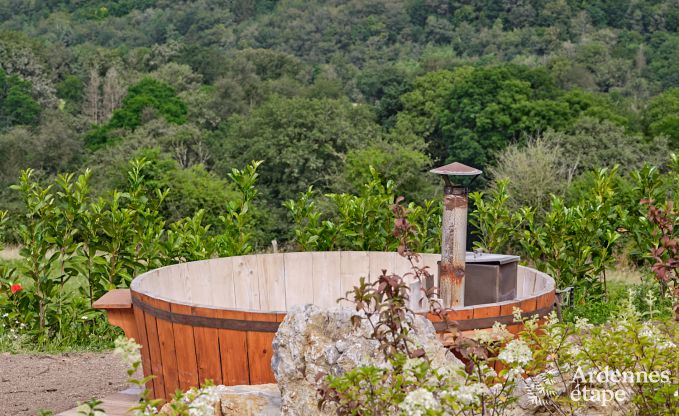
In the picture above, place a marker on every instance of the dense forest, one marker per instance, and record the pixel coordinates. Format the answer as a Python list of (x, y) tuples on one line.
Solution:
[(541, 92)]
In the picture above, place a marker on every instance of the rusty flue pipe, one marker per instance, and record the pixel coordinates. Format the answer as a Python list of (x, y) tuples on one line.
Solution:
[(454, 234)]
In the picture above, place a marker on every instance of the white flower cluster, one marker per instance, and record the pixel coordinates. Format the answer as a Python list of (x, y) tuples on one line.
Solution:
[(487, 372), (516, 351), (583, 325), (497, 333), (150, 410), (470, 393), (660, 340), (418, 402), (128, 350), (448, 373), (204, 404), (410, 367)]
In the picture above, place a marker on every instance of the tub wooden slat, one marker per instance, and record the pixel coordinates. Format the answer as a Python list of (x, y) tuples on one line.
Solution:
[(196, 278), (245, 282), (143, 341), (168, 354), (221, 282), (378, 262), (207, 349), (271, 278), (325, 270), (260, 350), (154, 351), (299, 287), (234, 351), (402, 266), (353, 266), (187, 367)]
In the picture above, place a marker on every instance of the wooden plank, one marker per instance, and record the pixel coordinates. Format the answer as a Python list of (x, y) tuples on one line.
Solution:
[(140, 320), (245, 282), (124, 318), (487, 312), (175, 286), (380, 261), (187, 366), (114, 299), (183, 284), (508, 308), (260, 350), (326, 284), (528, 305), (299, 287), (154, 352), (151, 281), (402, 267), (221, 282), (234, 352), (168, 354), (196, 279), (208, 356), (460, 314), (271, 278), (353, 266)]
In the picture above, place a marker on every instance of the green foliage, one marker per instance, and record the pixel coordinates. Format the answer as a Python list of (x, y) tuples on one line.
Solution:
[(403, 165), (301, 141), (591, 144), (360, 222), (532, 172), (573, 243), (146, 95), (662, 116), (74, 248), (576, 242), (17, 106), (491, 220), (491, 107), (470, 114), (238, 221), (70, 89)]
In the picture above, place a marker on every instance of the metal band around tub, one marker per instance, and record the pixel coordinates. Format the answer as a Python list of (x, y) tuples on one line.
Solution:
[(268, 326), (206, 321)]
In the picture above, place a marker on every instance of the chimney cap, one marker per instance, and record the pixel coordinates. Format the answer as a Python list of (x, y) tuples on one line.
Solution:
[(456, 169)]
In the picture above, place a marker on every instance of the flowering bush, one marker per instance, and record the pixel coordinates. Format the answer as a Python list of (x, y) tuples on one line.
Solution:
[(628, 365)]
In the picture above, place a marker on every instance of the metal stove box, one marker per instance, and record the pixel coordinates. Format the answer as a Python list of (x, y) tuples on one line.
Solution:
[(489, 278)]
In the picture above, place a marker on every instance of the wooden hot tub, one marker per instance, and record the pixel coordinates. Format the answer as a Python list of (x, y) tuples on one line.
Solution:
[(216, 319)]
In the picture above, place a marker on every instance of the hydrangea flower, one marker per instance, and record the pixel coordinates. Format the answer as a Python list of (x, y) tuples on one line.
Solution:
[(470, 393), (516, 351), (418, 402)]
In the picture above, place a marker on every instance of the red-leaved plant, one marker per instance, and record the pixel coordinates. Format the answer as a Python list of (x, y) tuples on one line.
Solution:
[(665, 252)]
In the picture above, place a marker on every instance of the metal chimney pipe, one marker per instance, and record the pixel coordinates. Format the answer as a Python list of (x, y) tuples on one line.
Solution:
[(453, 234)]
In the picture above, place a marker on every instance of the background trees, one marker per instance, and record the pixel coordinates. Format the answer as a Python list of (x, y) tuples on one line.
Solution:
[(322, 91)]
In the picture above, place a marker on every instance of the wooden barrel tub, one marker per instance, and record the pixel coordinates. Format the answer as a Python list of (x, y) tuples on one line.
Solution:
[(216, 319)]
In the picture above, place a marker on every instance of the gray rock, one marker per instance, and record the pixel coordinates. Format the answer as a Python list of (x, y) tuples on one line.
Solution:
[(258, 400), (312, 340)]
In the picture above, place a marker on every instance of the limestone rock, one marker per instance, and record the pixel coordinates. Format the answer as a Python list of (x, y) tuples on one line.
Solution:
[(257, 400), (312, 340)]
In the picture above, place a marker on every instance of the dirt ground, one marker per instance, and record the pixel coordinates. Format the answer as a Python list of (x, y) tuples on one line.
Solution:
[(30, 382)]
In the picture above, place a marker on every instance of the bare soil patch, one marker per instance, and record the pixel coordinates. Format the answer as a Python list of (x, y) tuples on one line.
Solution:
[(30, 382)]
